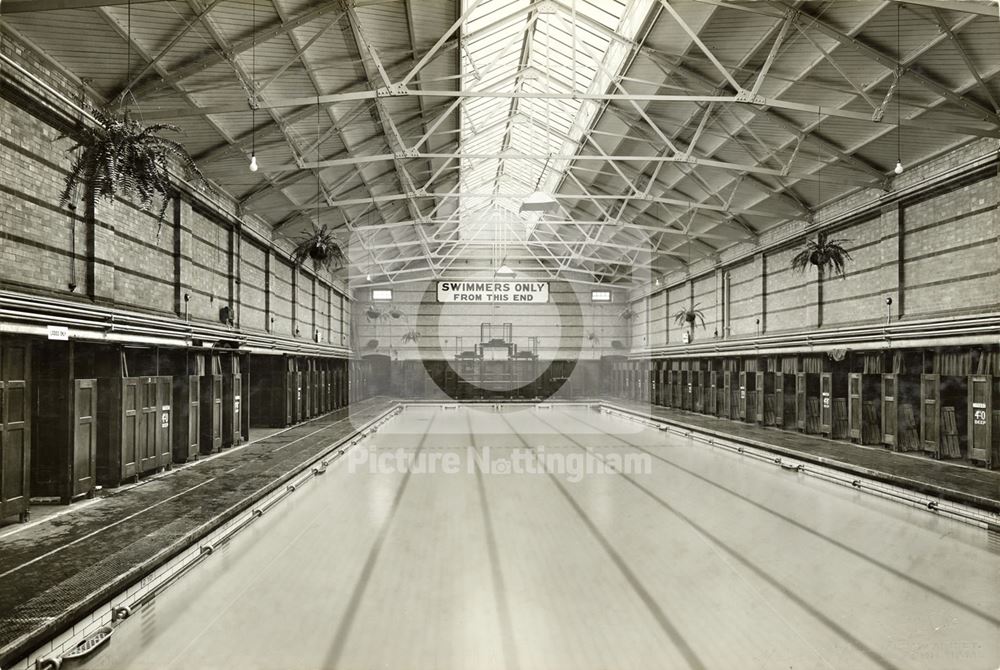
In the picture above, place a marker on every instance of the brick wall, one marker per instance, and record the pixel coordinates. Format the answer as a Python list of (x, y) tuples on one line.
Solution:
[(253, 291), (281, 297), (936, 253), (704, 299), (858, 297), (123, 256), (790, 294), (304, 320), (744, 297), (658, 319), (144, 267), (639, 323), (210, 249), (950, 251), (36, 237), (678, 298)]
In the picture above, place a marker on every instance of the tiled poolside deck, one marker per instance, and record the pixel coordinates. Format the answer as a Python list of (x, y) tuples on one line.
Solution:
[(54, 571)]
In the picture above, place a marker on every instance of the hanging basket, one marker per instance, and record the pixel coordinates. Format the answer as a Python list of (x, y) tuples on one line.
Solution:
[(319, 251), (321, 247), (690, 316), (828, 255), (121, 157)]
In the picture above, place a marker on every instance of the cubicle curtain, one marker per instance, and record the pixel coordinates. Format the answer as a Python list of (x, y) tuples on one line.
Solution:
[(790, 364), (907, 362), (812, 364), (987, 362), (871, 362), (956, 363)]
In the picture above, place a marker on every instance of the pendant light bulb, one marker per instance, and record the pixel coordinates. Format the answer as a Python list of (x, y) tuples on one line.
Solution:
[(253, 163), (368, 277), (899, 167)]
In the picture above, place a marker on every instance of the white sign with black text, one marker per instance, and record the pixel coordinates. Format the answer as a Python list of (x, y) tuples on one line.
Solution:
[(58, 332), (514, 292)]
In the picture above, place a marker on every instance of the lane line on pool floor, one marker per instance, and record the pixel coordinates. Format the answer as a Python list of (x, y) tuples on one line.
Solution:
[(716, 552), (308, 527), (811, 531), (668, 627), (336, 649), (509, 646), (763, 574)]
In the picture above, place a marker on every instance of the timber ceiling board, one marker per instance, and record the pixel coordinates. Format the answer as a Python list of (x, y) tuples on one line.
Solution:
[(569, 96)]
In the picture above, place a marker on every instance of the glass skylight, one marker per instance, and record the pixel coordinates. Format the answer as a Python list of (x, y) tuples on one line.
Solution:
[(521, 47)]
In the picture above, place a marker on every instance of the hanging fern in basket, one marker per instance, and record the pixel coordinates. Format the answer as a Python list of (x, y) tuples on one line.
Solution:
[(826, 254), (689, 316), (411, 336), (320, 246), (121, 157)]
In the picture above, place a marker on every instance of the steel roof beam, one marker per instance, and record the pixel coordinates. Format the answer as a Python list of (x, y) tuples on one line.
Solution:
[(942, 25), (381, 116), (154, 113), (32, 6), (891, 64), (215, 57)]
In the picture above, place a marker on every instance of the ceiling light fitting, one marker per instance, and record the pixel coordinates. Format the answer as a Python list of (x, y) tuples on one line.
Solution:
[(539, 201)]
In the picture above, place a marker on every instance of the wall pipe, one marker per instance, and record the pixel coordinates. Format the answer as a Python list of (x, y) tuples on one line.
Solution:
[(30, 315)]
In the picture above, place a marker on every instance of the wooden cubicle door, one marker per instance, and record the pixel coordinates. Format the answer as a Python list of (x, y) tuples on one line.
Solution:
[(232, 407), (194, 416), (164, 420), (727, 395), (761, 386), (826, 403), (148, 424), (711, 406), (15, 429), (890, 409), (779, 398), (84, 458), (854, 405), (930, 413), (743, 396), (980, 415), (210, 440)]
